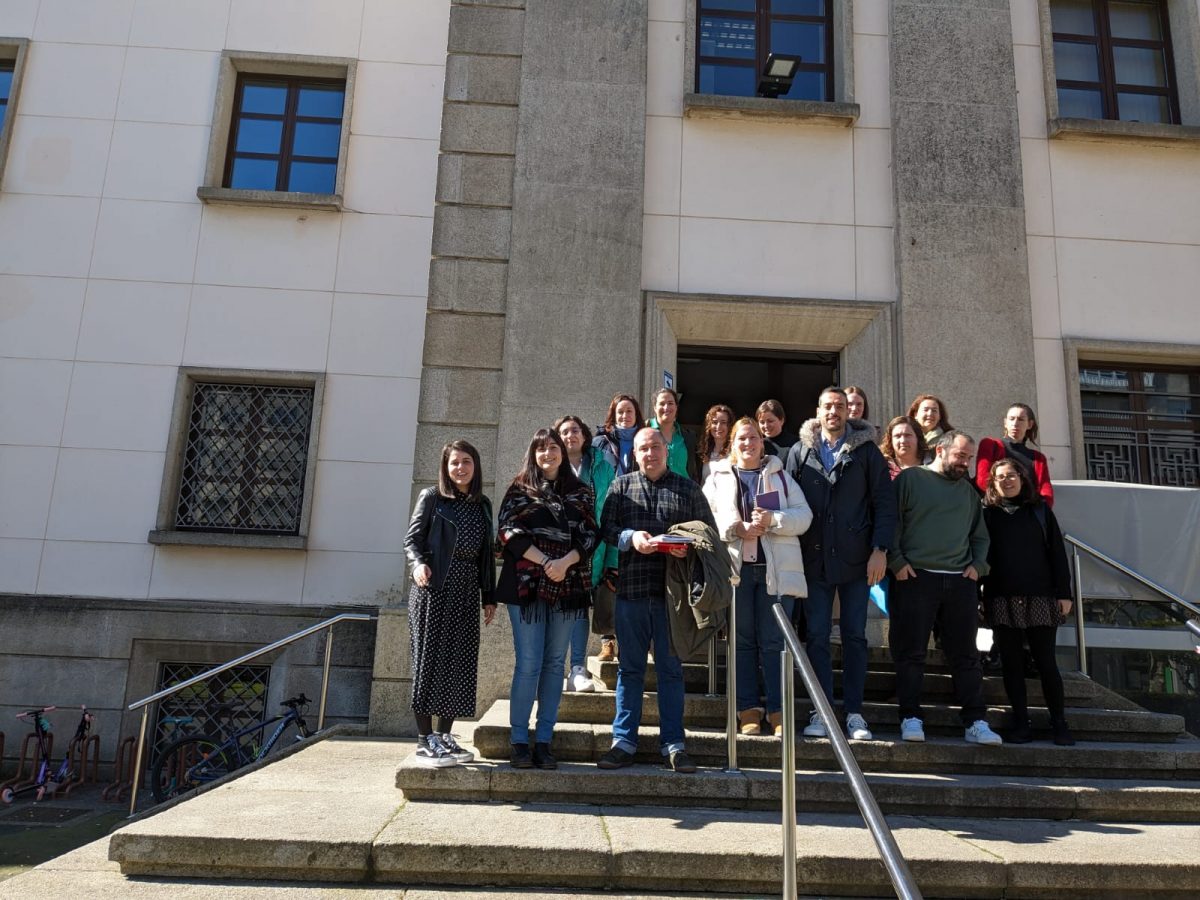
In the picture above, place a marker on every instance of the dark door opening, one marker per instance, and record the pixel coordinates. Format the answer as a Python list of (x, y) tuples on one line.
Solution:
[(743, 377)]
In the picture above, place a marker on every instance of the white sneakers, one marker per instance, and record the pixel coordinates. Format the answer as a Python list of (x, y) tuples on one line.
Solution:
[(580, 681), (815, 727), (912, 730), (856, 728), (980, 733)]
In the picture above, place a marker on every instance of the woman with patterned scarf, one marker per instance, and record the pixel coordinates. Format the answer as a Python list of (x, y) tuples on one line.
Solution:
[(547, 533)]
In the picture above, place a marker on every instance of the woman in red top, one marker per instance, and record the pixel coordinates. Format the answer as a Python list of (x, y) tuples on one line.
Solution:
[(1020, 430)]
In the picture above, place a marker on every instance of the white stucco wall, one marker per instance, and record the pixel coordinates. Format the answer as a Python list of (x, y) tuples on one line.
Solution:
[(780, 209), (1113, 236), (113, 274)]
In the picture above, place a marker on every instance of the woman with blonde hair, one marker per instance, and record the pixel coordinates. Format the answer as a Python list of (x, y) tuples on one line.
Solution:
[(759, 511)]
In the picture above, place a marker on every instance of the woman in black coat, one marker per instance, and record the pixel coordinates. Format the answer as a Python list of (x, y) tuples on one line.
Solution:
[(1027, 594), (449, 549)]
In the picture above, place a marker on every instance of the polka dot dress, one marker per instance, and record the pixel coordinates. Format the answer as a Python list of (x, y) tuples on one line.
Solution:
[(444, 625)]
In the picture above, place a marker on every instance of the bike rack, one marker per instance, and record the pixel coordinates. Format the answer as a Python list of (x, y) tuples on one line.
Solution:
[(146, 702), (79, 752), (30, 742), (122, 781)]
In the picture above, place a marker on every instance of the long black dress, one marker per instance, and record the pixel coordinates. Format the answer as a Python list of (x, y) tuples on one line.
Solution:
[(444, 624)]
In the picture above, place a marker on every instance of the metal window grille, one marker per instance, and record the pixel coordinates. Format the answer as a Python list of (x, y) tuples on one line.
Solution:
[(244, 461), (244, 688), (1142, 426)]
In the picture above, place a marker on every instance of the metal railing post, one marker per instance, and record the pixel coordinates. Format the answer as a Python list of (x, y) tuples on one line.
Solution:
[(1080, 639), (889, 852), (137, 761), (712, 667), (325, 679), (787, 681), (731, 721)]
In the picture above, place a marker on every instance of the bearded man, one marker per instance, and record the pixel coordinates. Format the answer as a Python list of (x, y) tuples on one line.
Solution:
[(939, 554)]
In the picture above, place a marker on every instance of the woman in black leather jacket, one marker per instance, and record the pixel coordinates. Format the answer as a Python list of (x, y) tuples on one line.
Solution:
[(449, 548)]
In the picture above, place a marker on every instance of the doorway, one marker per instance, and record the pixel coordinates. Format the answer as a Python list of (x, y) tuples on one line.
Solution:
[(743, 377)]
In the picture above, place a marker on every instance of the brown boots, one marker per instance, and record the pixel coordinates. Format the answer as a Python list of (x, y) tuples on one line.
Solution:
[(608, 650), (750, 721)]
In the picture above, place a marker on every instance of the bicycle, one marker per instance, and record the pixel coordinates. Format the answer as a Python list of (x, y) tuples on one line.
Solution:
[(198, 759), (45, 782)]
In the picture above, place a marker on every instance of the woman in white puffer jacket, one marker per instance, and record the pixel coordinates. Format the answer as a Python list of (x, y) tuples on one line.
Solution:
[(768, 565)]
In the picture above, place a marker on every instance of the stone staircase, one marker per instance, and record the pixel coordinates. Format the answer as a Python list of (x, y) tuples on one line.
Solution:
[(1118, 815)]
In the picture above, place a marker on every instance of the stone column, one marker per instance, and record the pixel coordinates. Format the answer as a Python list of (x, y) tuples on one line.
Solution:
[(573, 317), (965, 323)]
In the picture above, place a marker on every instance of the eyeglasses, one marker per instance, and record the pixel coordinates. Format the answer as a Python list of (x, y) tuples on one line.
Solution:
[(1011, 476)]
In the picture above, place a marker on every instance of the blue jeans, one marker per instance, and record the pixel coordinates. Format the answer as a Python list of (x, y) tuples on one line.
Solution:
[(540, 647), (818, 608), (759, 640), (638, 623), (579, 641)]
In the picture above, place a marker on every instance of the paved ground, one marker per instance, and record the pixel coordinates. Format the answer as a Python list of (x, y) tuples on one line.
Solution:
[(33, 833)]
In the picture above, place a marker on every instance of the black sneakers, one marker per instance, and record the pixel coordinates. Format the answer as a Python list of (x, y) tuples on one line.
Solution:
[(460, 754), (615, 758), (433, 753), (680, 762)]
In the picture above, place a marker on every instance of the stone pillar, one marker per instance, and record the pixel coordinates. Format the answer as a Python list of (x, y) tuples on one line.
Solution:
[(573, 317), (965, 322)]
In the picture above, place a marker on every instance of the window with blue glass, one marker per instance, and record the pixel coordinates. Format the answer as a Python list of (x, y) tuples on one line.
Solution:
[(285, 134), (7, 68), (1112, 60), (734, 38)]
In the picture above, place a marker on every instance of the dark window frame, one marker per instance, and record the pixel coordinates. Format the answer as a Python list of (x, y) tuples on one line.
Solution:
[(1138, 423), (762, 18), (10, 66), (290, 118), (1108, 87)]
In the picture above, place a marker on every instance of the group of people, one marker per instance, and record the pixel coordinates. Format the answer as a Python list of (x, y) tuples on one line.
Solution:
[(810, 518)]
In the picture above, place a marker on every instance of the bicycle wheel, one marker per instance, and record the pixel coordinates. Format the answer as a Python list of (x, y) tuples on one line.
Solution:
[(186, 764)]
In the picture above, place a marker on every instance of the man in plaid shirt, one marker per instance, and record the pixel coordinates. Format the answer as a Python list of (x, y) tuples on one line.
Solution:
[(640, 506)]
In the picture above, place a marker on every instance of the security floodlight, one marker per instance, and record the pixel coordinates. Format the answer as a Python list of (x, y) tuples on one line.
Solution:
[(777, 75)]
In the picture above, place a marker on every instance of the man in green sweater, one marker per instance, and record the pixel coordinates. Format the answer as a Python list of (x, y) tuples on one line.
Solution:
[(940, 552)]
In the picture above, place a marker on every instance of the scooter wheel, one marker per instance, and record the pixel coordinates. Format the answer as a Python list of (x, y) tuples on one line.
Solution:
[(6, 796)]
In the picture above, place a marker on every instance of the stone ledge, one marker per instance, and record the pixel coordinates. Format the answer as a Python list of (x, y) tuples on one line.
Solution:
[(287, 199), (1125, 132), (214, 539), (813, 112)]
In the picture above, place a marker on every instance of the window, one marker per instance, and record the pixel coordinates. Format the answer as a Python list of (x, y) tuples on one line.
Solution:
[(243, 689), (241, 459), (1141, 425), (734, 38), (281, 131), (8, 69), (285, 134), (1113, 60), (12, 62)]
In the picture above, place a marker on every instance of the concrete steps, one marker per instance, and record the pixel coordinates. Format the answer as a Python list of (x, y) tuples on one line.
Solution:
[(588, 741), (1087, 723), (988, 796), (332, 813)]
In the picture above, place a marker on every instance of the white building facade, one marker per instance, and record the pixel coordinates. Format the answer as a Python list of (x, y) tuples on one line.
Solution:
[(238, 321)]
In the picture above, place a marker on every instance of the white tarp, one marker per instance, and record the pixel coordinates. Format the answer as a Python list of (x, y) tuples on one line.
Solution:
[(1152, 530)]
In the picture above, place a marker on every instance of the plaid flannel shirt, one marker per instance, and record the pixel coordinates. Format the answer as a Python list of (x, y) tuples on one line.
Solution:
[(635, 503)]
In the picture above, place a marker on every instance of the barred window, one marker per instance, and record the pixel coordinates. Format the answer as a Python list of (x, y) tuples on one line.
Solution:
[(222, 703), (241, 460), (243, 467)]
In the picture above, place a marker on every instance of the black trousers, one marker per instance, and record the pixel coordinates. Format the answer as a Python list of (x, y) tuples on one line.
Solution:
[(1011, 644), (914, 605)]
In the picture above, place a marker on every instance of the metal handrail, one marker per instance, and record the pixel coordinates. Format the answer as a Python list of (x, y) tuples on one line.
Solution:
[(1080, 639), (145, 703), (893, 860)]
